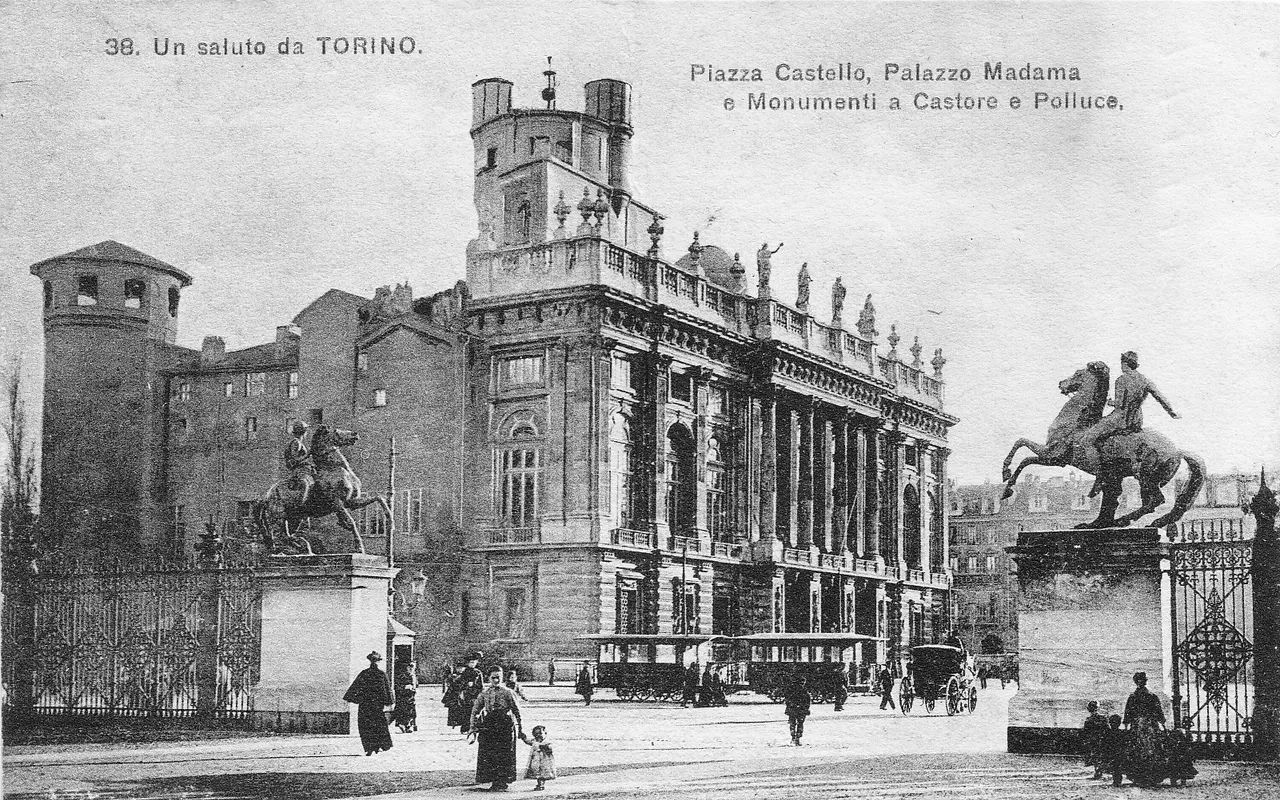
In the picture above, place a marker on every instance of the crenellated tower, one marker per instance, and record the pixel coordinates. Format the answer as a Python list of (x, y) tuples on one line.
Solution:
[(110, 319)]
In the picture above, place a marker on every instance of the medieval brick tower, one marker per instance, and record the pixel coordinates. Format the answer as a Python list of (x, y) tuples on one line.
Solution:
[(110, 319)]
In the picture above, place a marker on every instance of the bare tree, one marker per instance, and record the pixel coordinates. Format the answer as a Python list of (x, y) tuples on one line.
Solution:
[(18, 507)]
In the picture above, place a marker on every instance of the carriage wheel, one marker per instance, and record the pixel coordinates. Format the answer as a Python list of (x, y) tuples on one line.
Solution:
[(906, 695), (626, 693), (973, 699), (930, 700), (953, 696)]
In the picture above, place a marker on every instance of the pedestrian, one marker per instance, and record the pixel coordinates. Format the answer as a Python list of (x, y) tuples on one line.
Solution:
[(1115, 743), (1000, 672), (1181, 765), (690, 689), (1095, 728), (551, 672), (513, 684), (447, 671), (495, 722), (982, 676), (458, 713), (886, 689), (470, 683), (797, 702), (842, 686), (371, 694), (1147, 760), (583, 685), (718, 696), (405, 715), (542, 758)]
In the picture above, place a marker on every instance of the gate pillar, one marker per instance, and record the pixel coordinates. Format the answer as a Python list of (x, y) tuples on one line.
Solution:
[(1266, 628), (321, 615), (1089, 617)]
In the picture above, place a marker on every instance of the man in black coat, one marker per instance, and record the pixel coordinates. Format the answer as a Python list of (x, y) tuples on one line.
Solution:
[(371, 693), (797, 706), (886, 689)]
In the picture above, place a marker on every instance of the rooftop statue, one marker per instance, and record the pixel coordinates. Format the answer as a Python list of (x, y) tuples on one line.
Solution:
[(764, 265), (838, 293), (1114, 447), (320, 483), (802, 288), (867, 320)]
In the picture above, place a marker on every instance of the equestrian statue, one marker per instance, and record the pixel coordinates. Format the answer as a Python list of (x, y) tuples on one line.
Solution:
[(1113, 447), (320, 483)]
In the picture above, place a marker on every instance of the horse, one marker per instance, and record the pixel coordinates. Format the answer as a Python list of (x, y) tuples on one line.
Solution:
[(1145, 455), (336, 491)]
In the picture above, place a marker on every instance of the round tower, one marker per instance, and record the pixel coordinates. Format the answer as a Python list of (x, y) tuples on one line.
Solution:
[(110, 316), (609, 100)]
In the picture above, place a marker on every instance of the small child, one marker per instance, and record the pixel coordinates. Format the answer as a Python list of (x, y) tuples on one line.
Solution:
[(542, 759), (1095, 727), (1180, 765), (1112, 751)]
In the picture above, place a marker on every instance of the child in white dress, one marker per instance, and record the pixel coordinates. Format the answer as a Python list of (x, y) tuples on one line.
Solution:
[(542, 759)]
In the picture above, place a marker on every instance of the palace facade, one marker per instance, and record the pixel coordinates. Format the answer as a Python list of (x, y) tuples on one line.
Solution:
[(588, 437)]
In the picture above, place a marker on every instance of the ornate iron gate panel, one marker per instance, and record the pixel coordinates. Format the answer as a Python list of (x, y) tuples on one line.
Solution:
[(1212, 623), (159, 640)]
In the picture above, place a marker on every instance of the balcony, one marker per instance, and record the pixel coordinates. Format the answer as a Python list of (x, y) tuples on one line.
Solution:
[(797, 555), (728, 548), (629, 537), (678, 544), (505, 535)]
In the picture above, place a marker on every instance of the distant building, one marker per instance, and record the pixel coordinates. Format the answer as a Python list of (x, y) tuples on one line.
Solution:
[(589, 437), (983, 524)]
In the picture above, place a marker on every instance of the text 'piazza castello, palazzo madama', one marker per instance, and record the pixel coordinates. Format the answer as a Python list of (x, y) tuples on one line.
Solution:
[(589, 437)]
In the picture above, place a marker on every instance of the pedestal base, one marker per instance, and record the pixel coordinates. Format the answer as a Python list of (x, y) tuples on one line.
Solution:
[(1089, 617), (321, 617)]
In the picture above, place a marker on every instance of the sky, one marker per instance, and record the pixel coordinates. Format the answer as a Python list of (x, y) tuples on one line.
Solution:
[(1024, 243)]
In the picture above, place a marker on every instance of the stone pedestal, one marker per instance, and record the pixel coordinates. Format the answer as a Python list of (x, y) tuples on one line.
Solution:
[(1089, 617), (321, 617)]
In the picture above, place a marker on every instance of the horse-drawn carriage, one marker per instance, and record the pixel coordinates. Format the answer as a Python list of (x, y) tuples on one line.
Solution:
[(939, 673), (642, 666), (828, 661)]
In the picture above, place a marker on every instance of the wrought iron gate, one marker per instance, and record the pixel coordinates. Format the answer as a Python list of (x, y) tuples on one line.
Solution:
[(160, 640), (1211, 612)]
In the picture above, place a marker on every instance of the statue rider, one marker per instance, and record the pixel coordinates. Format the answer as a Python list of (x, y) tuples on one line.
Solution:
[(1131, 388), (297, 459)]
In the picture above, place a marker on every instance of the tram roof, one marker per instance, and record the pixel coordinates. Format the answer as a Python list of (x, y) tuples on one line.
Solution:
[(647, 638), (808, 638), (937, 648)]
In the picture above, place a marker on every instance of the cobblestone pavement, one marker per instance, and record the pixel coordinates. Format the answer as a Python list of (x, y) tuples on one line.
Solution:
[(614, 749)]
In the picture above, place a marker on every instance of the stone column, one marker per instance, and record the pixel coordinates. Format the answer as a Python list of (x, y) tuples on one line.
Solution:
[(321, 615), (826, 493), (869, 491), (701, 437), (1089, 617), (804, 483), (1266, 626), (767, 516), (838, 510), (926, 507)]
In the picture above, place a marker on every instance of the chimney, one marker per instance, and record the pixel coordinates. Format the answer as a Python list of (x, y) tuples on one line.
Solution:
[(212, 349), (286, 339)]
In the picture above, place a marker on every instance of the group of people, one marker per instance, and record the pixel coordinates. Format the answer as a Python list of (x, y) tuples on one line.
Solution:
[(1138, 744), (703, 688)]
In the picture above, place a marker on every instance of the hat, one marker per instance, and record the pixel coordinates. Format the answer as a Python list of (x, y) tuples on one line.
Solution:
[(1129, 355), (476, 656), (374, 656), (1139, 677)]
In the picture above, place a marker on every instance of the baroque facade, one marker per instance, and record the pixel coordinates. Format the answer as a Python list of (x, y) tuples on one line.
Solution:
[(588, 437)]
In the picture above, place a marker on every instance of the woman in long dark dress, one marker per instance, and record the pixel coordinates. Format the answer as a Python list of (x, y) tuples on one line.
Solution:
[(371, 692), (495, 718), (1147, 761), (405, 715), (470, 682)]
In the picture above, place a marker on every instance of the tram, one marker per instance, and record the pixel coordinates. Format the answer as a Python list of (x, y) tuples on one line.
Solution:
[(829, 661), (640, 666)]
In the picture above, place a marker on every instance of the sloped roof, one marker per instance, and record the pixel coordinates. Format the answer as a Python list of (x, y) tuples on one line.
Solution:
[(352, 299), (111, 250)]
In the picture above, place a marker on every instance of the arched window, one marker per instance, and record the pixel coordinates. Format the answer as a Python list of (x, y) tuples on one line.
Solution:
[(911, 526), (681, 481), (717, 510), (524, 219), (518, 460), (620, 453)]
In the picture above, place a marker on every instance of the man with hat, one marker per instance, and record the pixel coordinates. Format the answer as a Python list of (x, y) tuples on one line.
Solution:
[(469, 683), (371, 693), (1131, 388)]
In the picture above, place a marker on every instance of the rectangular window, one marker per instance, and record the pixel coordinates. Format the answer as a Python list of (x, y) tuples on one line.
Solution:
[(993, 537), (628, 608), (291, 391), (717, 401), (228, 389), (685, 609), (362, 361), (250, 429), (515, 614), (523, 371), (87, 290), (379, 398), (1039, 503), (518, 488), (971, 565), (184, 391), (491, 158), (716, 520), (681, 387), (620, 377), (255, 384), (135, 292), (955, 564), (991, 564)]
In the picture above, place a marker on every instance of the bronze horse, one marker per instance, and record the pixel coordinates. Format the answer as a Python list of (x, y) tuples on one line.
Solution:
[(1146, 455), (336, 491)]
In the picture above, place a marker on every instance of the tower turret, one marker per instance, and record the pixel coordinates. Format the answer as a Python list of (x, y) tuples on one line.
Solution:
[(610, 101), (110, 318)]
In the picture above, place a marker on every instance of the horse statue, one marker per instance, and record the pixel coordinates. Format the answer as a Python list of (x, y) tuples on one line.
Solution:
[(1145, 455), (280, 514)]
